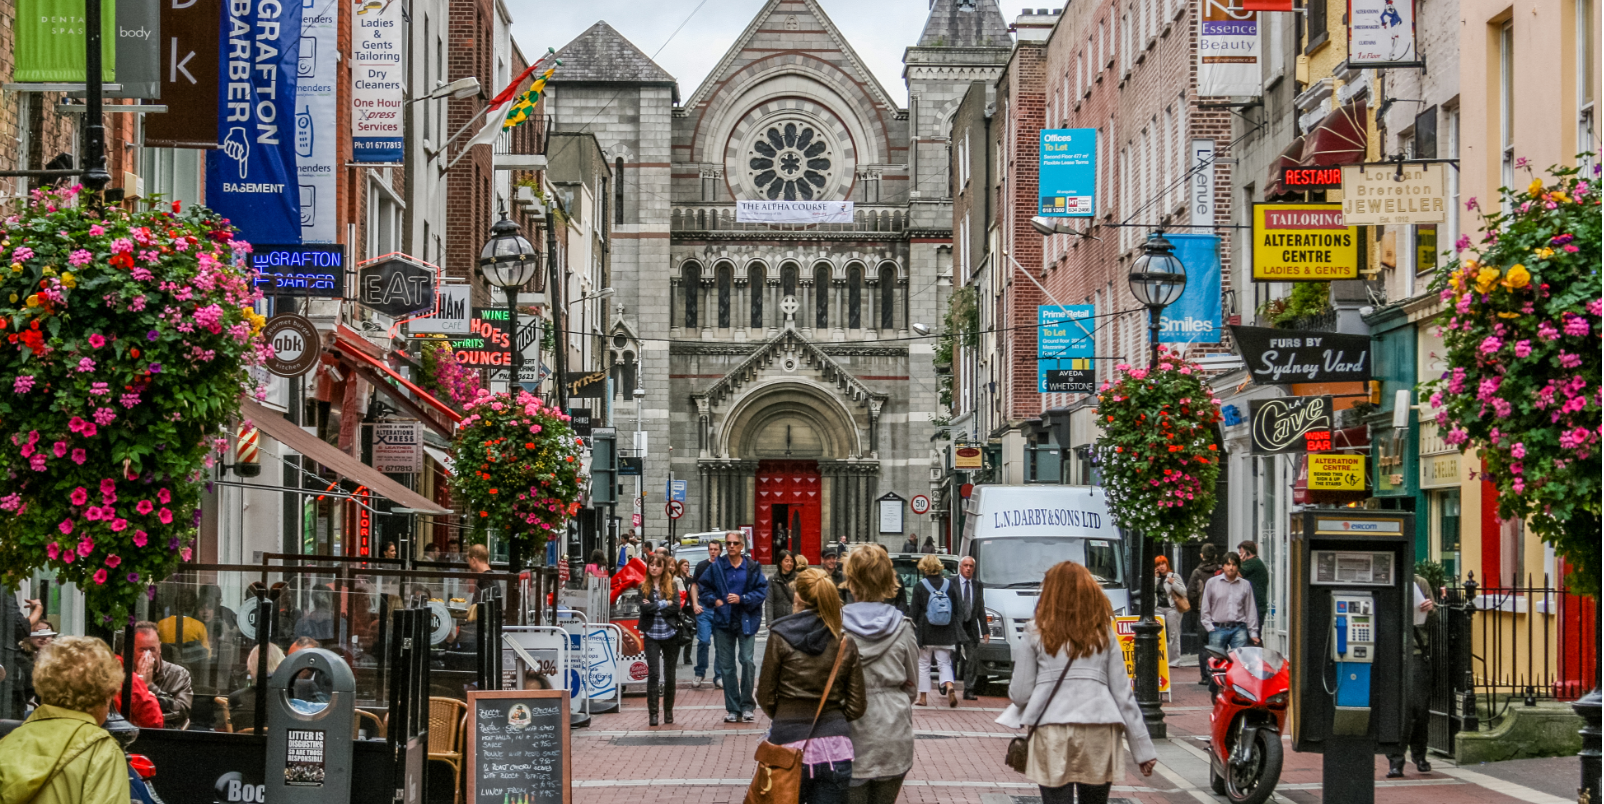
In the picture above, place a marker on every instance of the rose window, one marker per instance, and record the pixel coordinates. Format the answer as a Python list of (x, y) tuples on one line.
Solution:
[(790, 162)]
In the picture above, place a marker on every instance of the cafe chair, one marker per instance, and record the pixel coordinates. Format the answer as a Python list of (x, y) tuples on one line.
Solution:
[(226, 723), (376, 732), (446, 717)]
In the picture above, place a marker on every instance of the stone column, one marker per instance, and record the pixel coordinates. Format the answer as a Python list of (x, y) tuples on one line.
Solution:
[(838, 321), (709, 306)]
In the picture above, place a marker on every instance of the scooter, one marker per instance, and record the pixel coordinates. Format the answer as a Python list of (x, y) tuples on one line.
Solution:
[(140, 769), (1250, 711)]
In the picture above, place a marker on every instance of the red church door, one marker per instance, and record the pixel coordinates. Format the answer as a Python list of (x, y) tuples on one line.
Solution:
[(789, 496)]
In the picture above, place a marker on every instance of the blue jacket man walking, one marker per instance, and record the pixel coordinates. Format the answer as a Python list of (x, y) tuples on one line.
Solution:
[(734, 589)]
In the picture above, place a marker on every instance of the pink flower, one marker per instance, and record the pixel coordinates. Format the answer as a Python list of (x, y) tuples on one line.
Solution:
[(1523, 348), (97, 340), (164, 496), (86, 546), (107, 485), (1547, 332), (1576, 326), (69, 556), (79, 456), (22, 384), (80, 257), (79, 496), (100, 577), (1518, 451), (86, 365), (1569, 360), (144, 507), (184, 553), (105, 416), (65, 527), (165, 516), (122, 245), (112, 561), (22, 254), (53, 550), (119, 525), (140, 538), (92, 513), (59, 449), (1490, 345), (96, 230)]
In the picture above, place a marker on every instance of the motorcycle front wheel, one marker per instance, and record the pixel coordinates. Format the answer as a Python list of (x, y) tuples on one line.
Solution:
[(1254, 780)]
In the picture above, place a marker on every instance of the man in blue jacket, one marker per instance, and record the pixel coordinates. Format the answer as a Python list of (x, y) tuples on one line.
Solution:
[(734, 588)]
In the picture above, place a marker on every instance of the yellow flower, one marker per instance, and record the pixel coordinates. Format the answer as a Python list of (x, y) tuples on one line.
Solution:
[(33, 300), (1509, 315), (1543, 253), (13, 298), (16, 267), (1486, 279), (1536, 188), (1559, 198), (1517, 278), (69, 281), (50, 271)]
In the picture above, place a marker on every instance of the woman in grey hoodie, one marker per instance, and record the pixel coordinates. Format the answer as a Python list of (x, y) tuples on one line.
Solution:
[(883, 738)]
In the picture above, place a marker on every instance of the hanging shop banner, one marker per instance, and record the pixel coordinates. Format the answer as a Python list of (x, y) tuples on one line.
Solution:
[(297, 270), (1196, 316), (316, 119), (1384, 195), (378, 81), (1303, 242), (1283, 356), (398, 447), (1200, 199), (1065, 349), (1290, 424), (1068, 174), (50, 41), (396, 285), (251, 180), (590, 385), (1336, 473), (795, 212), (1381, 33), (968, 457), (450, 316), (139, 39), (188, 71), (1269, 5), (1228, 52)]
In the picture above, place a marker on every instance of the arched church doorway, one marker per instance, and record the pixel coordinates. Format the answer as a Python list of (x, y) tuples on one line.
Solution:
[(790, 500)]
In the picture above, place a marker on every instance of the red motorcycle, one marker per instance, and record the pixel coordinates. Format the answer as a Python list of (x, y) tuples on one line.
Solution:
[(1245, 727)]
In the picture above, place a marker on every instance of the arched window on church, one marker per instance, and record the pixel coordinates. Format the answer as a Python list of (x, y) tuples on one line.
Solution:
[(623, 372), (724, 296), (821, 296), (691, 285), (754, 281), (888, 298), (854, 297), (788, 281)]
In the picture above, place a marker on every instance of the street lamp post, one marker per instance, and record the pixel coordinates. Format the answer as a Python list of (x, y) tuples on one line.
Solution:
[(1157, 279), (640, 505), (508, 262)]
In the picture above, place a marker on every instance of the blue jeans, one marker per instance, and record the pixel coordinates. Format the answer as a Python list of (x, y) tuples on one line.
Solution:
[(704, 640), (1226, 638), (738, 697), (826, 782)]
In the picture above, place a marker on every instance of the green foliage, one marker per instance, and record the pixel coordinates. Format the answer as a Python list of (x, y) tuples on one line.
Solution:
[(517, 469), (128, 341), (960, 325), (1306, 299), (1157, 451), (1436, 576), (1523, 360)]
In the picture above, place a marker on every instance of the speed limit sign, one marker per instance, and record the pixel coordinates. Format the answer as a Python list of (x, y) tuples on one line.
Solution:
[(920, 504), (675, 509)]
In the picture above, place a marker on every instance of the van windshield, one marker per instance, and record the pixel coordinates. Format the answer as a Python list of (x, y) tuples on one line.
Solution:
[(1021, 562)]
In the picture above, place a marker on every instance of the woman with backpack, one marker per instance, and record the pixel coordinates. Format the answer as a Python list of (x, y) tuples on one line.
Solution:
[(935, 622), (659, 624), (1070, 688)]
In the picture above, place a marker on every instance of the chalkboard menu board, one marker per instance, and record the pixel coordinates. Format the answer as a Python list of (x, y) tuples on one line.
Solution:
[(518, 747)]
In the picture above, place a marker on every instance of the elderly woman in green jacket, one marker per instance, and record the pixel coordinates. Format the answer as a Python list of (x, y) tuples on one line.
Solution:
[(60, 754)]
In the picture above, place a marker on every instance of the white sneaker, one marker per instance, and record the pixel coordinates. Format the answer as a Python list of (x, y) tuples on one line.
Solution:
[(697, 684)]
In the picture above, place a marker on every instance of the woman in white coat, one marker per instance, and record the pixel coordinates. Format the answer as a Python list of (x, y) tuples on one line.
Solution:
[(1069, 683), (1167, 588)]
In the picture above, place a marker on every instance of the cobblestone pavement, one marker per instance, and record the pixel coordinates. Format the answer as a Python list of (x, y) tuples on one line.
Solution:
[(958, 758)]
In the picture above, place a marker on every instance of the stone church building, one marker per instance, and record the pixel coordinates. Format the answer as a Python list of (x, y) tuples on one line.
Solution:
[(783, 377)]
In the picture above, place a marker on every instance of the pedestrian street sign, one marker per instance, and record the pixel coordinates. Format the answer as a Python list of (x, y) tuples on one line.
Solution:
[(676, 490), (1125, 628)]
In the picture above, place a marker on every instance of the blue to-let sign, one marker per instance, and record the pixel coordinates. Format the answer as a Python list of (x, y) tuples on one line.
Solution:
[(1064, 331), (1067, 177), (1196, 316), (297, 270), (676, 490)]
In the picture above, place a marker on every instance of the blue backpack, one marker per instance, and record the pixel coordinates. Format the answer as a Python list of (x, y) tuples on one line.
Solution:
[(938, 609)]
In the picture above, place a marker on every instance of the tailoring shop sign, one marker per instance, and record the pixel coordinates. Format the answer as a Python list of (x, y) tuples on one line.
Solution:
[(398, 447), (1303, 243), (1290, 424), (1381, 34), (313, 271), (1384, 195), (1284, 356), (378, 81), (396, 285)]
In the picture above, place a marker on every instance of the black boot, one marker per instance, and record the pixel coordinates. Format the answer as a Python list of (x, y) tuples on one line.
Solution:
[(1422, 765), (1395, 767), (668, 716), (651, 720)]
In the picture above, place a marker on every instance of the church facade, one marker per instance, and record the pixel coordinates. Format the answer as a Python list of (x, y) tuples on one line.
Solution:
[(783, 376)]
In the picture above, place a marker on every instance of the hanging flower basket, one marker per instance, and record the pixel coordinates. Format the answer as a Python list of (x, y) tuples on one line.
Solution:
[(517, 469), (1523, 361), (1157, 452), (127, 338)]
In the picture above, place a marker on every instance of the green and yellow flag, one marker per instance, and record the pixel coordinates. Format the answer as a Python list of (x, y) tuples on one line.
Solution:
[(525, 105)]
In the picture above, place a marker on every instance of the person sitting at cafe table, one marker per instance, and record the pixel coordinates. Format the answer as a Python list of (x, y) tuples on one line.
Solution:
[(479, 561), (242, 702)]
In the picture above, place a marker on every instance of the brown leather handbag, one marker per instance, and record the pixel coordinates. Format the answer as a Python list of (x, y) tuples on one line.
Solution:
[(1018, 756), (778, 779)]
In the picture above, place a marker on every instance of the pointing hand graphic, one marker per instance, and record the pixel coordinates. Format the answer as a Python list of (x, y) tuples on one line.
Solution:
[(237, 148)]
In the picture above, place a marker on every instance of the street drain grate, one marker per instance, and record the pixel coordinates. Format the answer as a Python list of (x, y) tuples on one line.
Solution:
[(664, 739)]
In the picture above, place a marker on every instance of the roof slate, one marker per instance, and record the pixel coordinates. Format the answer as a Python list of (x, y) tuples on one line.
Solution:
[(602, 54), (965, 23)]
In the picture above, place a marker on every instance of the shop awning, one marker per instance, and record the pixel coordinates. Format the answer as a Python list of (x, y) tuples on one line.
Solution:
[(441, 458), (324, 453), (351, 345), (1288, 158), (1339, 139)]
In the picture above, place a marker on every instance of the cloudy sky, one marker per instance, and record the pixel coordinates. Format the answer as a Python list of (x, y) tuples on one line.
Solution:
[(878, 30)]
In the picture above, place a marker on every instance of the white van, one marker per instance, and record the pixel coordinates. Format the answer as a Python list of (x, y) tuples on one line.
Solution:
[(1015, 533)]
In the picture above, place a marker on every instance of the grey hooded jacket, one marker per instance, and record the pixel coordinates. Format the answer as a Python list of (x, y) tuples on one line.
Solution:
[(882, 740)]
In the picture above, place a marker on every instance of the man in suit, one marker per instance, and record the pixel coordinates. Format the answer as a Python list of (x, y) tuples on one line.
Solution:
[(972, 593)]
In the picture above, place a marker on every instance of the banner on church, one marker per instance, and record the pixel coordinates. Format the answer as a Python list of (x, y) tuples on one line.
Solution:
[(793, 212)]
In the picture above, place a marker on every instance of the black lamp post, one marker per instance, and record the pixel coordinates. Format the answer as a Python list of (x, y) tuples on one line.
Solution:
[(508, 262), (1157, 279)]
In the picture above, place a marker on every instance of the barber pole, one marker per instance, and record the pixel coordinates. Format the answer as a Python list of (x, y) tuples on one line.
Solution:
[(247, 455)]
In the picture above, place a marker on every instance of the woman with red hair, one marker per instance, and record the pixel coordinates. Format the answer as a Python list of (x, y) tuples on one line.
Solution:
[(1071, 688), (1167, 587)]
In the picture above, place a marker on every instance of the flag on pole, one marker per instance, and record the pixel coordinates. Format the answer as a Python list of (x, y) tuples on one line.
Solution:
[(525, 105), (502, 108)]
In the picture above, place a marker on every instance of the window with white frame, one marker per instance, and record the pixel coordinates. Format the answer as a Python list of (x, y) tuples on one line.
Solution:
[(1506, 104), (1080, 73), (384, 220), (1091, 59), (1103, 53), (1453, 181), (1586, 82), (1167, 136), (1275, 57), (1125, 40)]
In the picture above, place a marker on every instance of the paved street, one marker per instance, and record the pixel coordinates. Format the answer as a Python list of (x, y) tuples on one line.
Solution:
[(958, 758)]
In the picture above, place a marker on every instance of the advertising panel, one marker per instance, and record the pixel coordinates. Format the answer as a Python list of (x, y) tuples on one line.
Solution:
[(1290, 424), (1196, 316), (316, 120), (1068, 174), (139, 38), (251, 179), (1065, 349), (1200, 197), (1336, 473), (794, 212), (296, 270), (1383, 195), (398, 447), (189, 77), (1303, 242), (1228, 51), (378, 81), (1282, 356), (1381, 33), (50, 42), (450, 316), (397, 285)]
